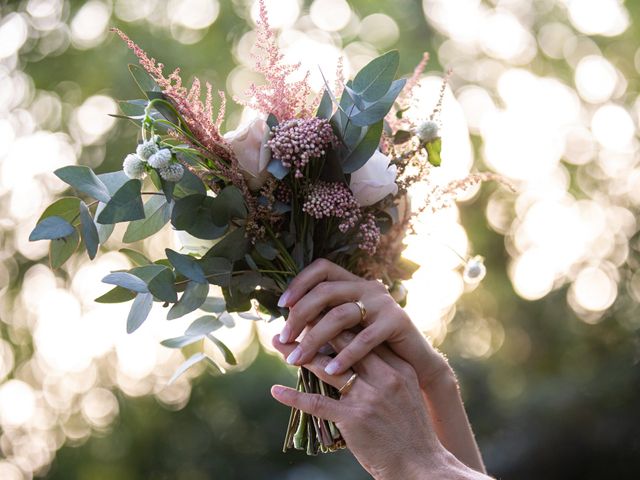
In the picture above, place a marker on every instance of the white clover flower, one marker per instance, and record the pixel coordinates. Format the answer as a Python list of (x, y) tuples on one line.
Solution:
[(146, 149), (160, 159), (474, 270), (133, 166), (172, 172), (428, 131)]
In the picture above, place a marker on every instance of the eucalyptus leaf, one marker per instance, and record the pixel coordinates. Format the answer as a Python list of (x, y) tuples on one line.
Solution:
[(213, 305), (65, 207), (89, 231), (325, 109), (159, 279), (116, 295), (60, 250), (227, 319), (113, 180), (104, 231), (84, 180), (203, 325), (189, 184), (217, 270), (228, 355), (378, 110), (266, 250), (194, 215), (186, 265), (374, 79), (228, 204), (137, 258), (157, 213), (125, 205), (126, 280), (190, 362), (144, 81), (182, 341), (133, 109), (51, 228), (139, 311), (193, 297), (233, 246), (364, 149)]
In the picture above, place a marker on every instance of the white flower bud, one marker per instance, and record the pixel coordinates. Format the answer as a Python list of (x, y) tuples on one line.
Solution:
[(172, 172), (399, 293), (133, 166), (146, 149), (428, 131), (160, 159), (474, 270)]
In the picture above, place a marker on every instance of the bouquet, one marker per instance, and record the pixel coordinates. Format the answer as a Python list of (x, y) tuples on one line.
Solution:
[(311, 177)]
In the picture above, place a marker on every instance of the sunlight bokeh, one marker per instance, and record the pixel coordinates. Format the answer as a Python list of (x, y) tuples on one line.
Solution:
[(568, 143)]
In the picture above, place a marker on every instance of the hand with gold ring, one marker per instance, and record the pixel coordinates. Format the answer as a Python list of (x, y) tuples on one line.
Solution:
[(381, 415), (325, 299)]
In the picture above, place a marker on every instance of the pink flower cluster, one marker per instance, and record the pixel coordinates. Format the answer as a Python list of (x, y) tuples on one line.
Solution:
[(333, 200), (369, 234), (298, 141)]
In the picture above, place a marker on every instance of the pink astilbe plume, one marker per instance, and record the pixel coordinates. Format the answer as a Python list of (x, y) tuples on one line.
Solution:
[(280, 96), (198, 115)]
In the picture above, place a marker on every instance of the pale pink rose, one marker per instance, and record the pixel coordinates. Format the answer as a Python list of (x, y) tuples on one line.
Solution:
[(247, 142), (374, 180)]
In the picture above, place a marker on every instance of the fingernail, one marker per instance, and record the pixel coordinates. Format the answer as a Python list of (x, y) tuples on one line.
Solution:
[(277, 390), (284, 334), (332, 367), (282, 301), (294, 356)]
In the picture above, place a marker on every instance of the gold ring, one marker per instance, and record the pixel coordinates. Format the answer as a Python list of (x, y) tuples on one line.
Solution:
[(363, 310), (347, 386)]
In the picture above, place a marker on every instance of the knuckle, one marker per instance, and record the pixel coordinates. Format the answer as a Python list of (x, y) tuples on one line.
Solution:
[(366, 338), (321, 263), (323, 288), (315, 403), (339, 312)]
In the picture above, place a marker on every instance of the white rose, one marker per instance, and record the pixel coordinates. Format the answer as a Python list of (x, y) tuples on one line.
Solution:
[(374, 180), (248, 143)]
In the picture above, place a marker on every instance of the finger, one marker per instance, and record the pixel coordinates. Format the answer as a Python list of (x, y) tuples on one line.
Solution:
[(316, 365), (315, 404), (399, 364), (342, 317), (314, 302), (369, 367), (357, 349), (318, 271)]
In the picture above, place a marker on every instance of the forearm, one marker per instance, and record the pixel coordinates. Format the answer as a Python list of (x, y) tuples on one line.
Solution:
[(451, 424)]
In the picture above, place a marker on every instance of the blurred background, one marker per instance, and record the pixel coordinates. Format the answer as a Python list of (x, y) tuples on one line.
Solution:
[(542, 92)]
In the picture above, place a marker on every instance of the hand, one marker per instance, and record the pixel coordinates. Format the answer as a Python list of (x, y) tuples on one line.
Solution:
[(321, 299), (382, 417), (324, 295)]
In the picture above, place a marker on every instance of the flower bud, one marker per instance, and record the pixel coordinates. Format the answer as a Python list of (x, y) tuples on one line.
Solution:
[(160, 159), (146, 149), (172, 172), (133, 166), (428, 131), (474, 270)]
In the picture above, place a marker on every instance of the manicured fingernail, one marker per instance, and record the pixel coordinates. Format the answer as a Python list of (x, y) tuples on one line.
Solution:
[(332, 367), (294, 356), (284, 334), (282, 301), (277, 390)]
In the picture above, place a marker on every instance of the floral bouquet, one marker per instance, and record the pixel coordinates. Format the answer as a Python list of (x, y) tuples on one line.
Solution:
[(311, 177)]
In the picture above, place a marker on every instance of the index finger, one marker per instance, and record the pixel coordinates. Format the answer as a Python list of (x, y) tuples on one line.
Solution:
[(318, 271)]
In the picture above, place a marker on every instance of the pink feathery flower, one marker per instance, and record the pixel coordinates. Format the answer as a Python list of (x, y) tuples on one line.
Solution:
[(406, 95), (333, 200), (283, 98), (197, 115), (298, 141)]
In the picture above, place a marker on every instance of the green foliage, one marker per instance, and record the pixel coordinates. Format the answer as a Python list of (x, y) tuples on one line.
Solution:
[(363, 150), (51, 228), (126, 280), (193, 297), (143, 80), (139, 311), (61, 249), (157, 212), (374, 79), (89, 231), (433, 152), (186, 265), (84, 180), (125, 205), (203, 325), (65, 207)]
